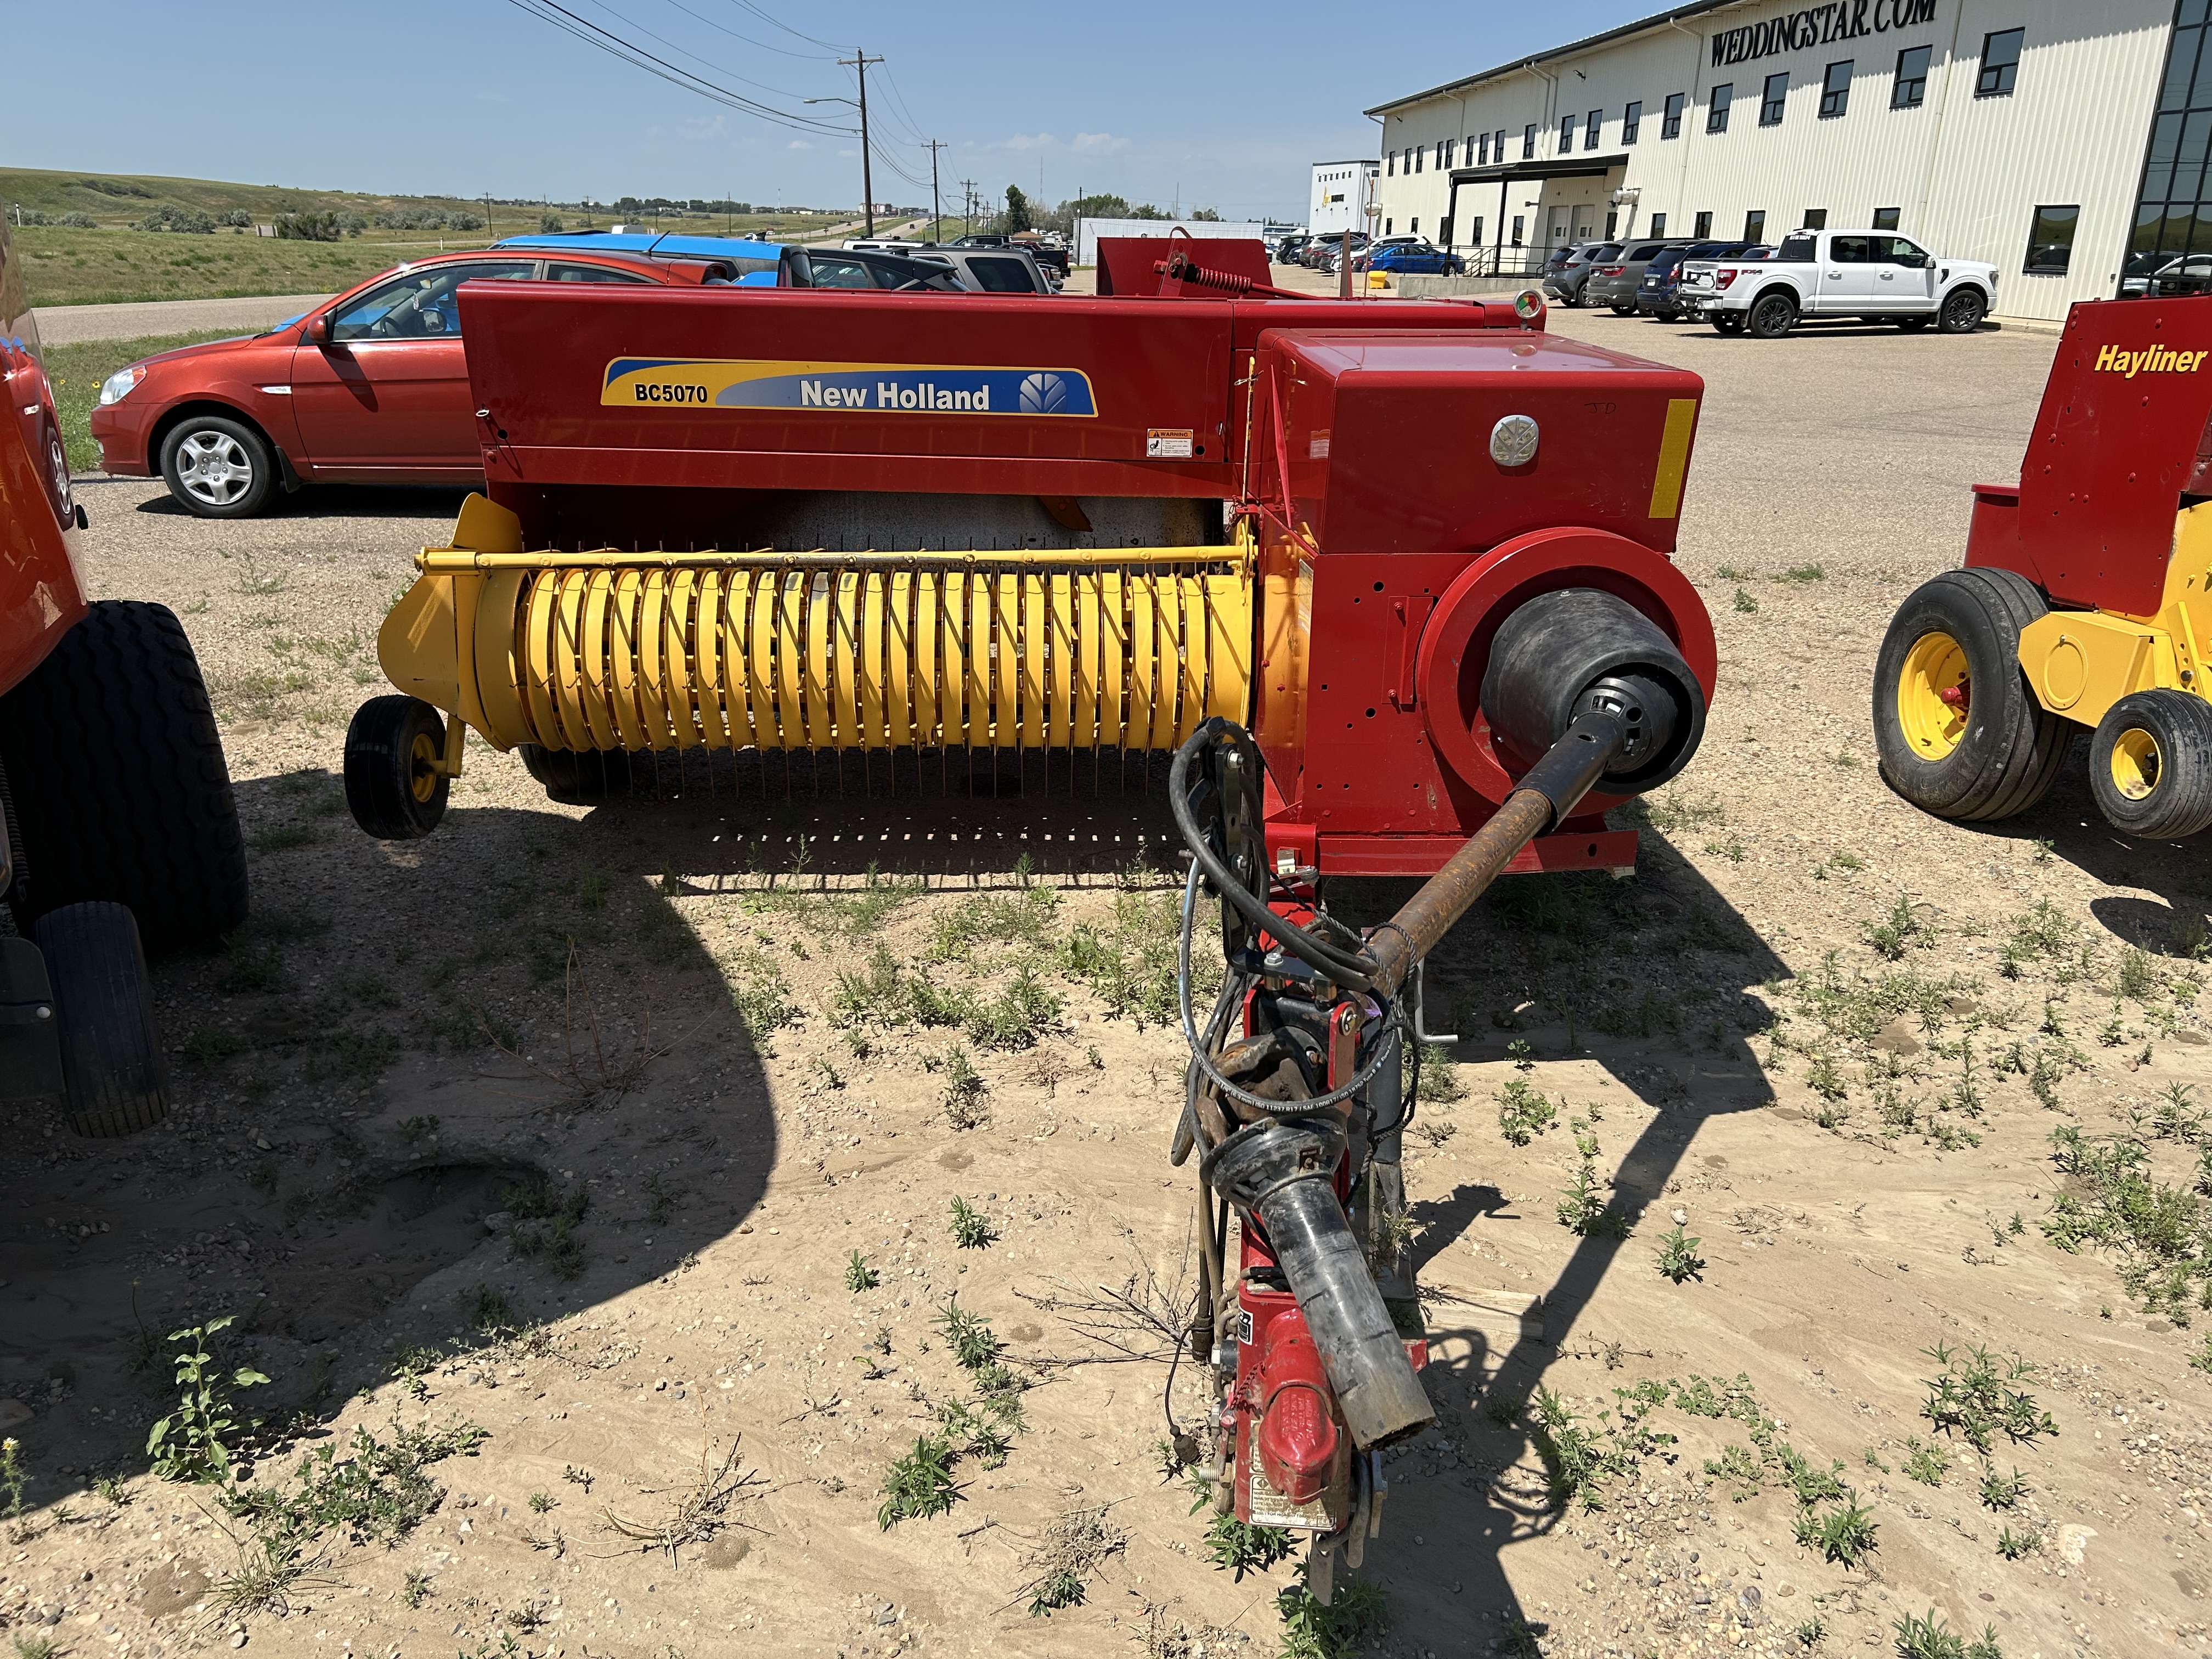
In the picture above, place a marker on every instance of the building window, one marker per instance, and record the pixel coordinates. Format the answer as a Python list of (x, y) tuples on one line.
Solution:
[(1817, 219), (1391, 164), (1386, 227), (1910, 90), (1658, 224), (1886, 218), (1520, 226), (1777, 94), (1671, 125), (1631, 119), (2000, 63), (1702, 227), (1593, 128), (1755, 225), (1717, 107), (1416, 155), (1529, 141), (1497, 149), (1836, 90), (1414, 225), (2051, 241), (1484, 158), (1566, 134), (1611, 225), (1447, 152), (1475, 230)]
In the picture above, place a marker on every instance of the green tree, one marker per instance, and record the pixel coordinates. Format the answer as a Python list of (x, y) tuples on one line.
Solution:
[(1206, 215), (1017, 216)]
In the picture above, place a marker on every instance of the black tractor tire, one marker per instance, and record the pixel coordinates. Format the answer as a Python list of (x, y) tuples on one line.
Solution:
[(1997, 751), (1771, 316), (1963, 310), (392, 784), (1913, 324), (118, 781), (217, 467), (111, 1053), (2150, 765), (575, 775), (1728, 322)]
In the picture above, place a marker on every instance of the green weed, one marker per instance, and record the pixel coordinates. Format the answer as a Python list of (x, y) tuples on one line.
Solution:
[(971, 1230), (1678, 1257), (1237, 1548), (1975, 1397), (919, 1485), (1925, 1464), (1522, 1112), (1355, 1614), (858, 1275), (199, 1441)]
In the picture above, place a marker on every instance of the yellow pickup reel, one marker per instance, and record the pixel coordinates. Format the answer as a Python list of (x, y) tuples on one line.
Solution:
[(575, 657)]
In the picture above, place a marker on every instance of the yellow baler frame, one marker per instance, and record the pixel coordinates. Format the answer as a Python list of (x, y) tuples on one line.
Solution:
[(1122, 649), (2080, 663)]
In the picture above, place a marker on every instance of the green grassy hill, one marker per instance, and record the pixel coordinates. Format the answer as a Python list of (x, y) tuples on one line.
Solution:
[(117, 198), (112, 260)]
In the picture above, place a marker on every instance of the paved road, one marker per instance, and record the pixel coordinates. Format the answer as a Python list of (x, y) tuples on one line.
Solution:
[(73, 324)]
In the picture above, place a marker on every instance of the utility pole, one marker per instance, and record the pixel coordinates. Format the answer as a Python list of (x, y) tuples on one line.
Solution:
[(967, 206), (859, 60), (937, 212)]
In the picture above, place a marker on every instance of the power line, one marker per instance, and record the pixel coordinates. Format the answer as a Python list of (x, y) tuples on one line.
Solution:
[(696, 57), (551, 11), (811, 56), (779, 23)]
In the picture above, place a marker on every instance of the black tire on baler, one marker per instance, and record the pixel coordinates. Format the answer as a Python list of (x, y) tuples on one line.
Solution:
[(2008, 749), (2150, 764), (119, 780), (392, 785), (111, 1051)]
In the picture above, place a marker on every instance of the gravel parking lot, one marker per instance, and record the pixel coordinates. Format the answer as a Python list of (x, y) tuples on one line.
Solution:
[(1823, 1038)]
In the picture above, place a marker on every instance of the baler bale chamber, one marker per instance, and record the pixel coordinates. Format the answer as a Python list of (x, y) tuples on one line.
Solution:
[(888, 541)]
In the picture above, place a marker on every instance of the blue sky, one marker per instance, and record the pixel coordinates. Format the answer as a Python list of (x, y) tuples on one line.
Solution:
[(1223, 105)]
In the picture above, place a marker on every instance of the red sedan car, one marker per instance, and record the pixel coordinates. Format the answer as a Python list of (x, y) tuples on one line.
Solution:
[(370, 388)]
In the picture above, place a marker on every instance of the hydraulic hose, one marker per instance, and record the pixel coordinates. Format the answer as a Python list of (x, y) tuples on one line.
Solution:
[(1314, 951)]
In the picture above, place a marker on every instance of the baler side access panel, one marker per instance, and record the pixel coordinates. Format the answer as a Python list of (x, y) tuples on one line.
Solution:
[(906, 521), (1414, 489)]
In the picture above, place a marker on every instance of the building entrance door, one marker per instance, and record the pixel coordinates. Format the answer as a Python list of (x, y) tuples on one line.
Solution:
[(1555, 229), (1586, 222)]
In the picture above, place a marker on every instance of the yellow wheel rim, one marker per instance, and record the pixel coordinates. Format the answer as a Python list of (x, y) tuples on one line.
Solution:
[(1932, 721), (2135, 763), (423, 768)]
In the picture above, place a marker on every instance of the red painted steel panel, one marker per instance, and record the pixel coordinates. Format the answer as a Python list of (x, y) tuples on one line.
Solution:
[(2121, 434)]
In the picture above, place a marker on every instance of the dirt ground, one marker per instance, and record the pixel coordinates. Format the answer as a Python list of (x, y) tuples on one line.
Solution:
[(567, 1124)]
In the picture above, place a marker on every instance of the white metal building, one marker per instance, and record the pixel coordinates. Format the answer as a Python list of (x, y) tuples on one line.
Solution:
[(2064, 141), (1341, 193)]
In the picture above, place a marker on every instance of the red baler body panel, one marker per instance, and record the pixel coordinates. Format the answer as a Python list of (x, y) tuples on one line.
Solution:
[(41, 597), (1398, 542), (539, 362), (2121, 436)]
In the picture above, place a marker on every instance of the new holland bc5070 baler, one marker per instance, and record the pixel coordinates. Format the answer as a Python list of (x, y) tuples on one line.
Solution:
[(1009, 529), (1390, 580)]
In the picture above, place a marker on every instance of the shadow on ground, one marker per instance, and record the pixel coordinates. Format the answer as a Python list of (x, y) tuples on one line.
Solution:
[(1566, 966)]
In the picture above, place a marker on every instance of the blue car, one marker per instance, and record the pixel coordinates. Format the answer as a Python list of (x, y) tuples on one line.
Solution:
[(1406, 260)]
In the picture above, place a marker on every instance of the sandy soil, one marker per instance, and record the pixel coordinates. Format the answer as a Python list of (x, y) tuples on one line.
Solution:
[(1849, 1107)]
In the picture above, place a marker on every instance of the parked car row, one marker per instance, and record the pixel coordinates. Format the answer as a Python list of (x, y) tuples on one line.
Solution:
[(1402, 255), (1764, 291)]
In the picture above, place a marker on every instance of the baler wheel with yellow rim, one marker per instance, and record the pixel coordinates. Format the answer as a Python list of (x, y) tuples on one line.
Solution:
[(395, 783), (2150, 764), (1959, 732)]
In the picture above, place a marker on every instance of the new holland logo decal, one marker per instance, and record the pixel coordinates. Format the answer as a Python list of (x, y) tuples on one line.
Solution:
[(872, 388)]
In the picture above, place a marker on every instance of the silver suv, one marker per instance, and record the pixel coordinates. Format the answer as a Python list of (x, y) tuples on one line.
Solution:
[(990, 270), (1567, 273)]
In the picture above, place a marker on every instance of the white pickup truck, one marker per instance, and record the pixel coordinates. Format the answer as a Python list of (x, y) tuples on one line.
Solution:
[(1874, 274)]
